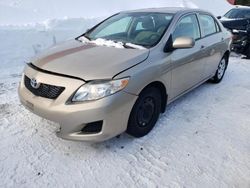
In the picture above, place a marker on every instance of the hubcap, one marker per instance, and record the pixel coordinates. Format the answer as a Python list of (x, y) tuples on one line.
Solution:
[(221, 68), (146, 111)]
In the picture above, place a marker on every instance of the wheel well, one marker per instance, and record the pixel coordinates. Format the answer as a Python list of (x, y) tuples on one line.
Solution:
[(163, 91)]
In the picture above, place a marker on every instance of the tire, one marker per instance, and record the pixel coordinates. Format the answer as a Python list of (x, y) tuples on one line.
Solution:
[(220, 71), (145, 112)]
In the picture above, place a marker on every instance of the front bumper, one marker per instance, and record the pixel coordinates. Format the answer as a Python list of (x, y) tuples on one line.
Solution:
[(240, 43), (113, 110)]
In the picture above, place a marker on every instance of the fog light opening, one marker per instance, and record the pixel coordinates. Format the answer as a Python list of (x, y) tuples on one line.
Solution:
[(92, 128)]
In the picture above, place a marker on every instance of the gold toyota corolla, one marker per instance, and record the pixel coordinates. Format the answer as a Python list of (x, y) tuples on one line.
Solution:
[(120, 75)]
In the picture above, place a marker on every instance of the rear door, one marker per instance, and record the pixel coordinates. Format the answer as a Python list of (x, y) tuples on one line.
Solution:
[(187, 64), (213, 43)]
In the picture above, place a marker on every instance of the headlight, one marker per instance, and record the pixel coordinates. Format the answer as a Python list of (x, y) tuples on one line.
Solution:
[(99, 89)]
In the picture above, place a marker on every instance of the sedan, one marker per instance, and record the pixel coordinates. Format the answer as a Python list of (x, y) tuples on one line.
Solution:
[(120, 75)]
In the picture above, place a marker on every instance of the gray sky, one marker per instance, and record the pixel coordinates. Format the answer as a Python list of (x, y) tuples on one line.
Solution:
[(28, 11), (25, 11)]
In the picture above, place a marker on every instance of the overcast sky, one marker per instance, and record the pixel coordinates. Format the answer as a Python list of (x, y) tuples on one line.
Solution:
[(26, 11)]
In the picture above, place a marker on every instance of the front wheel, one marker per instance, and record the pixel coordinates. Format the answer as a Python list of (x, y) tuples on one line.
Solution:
[(220, 71), (145, 112)]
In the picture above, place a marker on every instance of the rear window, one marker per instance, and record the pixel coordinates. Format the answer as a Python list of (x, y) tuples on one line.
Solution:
[(208, 25), (218, 29)]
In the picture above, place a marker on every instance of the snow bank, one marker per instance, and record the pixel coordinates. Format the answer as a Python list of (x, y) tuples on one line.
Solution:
[(55, 24), (38, 36)]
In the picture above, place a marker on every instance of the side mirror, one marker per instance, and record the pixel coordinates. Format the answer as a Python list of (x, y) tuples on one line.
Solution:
[(183, 42), (219, 17)]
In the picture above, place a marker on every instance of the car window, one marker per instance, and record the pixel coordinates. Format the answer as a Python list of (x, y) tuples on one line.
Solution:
[(139, 26), (143, 28), (187, 27), (208, 26), (145, 23), (238, 13), (217, 27), (119, 26)]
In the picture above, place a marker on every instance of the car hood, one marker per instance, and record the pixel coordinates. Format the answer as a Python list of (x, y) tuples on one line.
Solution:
[(88, 61), (240, 23)]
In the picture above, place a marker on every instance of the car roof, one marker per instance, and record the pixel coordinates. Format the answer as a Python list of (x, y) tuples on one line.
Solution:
[(171, 10), (241, 7)]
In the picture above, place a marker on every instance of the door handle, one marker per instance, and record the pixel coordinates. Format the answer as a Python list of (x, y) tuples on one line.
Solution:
[(202, 46)]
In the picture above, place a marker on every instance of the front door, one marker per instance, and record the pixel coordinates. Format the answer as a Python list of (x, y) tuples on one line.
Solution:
[(187, 64), (213, 43)]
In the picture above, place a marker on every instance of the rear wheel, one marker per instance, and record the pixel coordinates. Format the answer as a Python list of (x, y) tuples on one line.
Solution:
[(145, 112), (220, 71)]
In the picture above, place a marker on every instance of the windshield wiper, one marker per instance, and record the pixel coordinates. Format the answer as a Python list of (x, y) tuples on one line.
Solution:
[(133, 46), (127, 46), (83, 38), (87, 37)]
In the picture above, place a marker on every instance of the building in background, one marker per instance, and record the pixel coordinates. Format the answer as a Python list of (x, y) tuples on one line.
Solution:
[(231, 2)]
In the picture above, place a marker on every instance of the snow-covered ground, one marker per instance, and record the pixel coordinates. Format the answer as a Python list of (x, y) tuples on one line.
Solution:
[(203, 139)]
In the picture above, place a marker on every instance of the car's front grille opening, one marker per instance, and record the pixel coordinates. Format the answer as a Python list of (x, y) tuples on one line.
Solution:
[(43, 90), (93, 128)]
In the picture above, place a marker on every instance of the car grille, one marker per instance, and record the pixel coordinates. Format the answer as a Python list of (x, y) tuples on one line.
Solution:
[(44, 90)]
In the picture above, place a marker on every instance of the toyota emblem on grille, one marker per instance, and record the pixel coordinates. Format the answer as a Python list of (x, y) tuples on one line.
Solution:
[(34, 83)]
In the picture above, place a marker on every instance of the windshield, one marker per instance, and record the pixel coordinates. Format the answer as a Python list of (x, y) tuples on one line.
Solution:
[(144, 29), (238, 13)]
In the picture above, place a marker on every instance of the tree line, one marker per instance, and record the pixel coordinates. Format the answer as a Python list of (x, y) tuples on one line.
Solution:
[(243, 2)]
